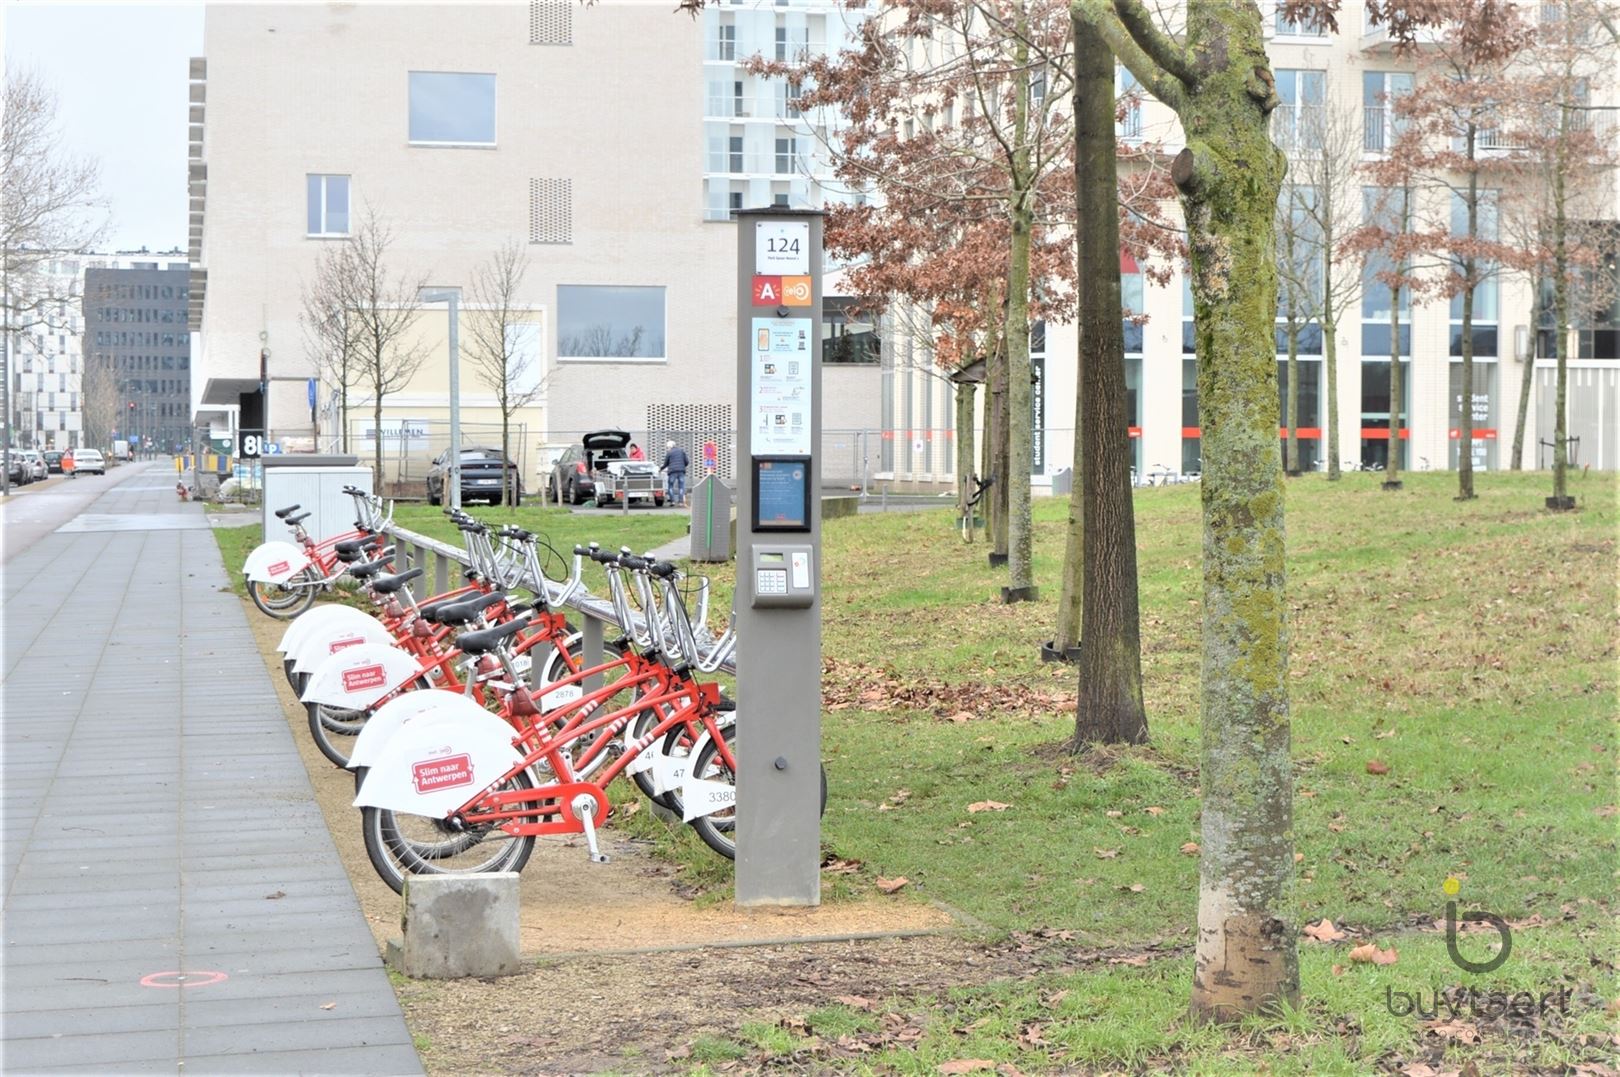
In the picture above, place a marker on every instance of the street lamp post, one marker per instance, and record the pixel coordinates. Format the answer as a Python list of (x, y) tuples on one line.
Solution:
[(452, 296)]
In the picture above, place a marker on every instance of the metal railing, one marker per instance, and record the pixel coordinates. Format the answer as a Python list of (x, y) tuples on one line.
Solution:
[(435, 558)]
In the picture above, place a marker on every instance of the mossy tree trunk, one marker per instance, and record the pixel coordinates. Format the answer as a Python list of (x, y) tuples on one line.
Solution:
[(1330, 372), (1110, 707), (964, 456), (1020, 406), (1219, 82), (1465, 420), (1561, 313)]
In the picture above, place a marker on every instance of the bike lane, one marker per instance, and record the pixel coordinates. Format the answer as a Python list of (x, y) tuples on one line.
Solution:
[(173, 900)]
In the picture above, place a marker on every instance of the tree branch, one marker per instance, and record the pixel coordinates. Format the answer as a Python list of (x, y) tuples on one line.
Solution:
[(1156, 43), (1102, 17)]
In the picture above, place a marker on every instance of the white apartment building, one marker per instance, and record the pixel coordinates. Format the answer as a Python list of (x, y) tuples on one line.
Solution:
[(580, 131), (1355, 66)]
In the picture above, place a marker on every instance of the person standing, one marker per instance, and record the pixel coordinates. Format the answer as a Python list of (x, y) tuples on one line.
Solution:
[(675, 464), (636, 453)]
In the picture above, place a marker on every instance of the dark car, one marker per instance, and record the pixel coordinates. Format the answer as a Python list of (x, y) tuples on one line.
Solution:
[(600, 467), (480, 477), (53, 460)]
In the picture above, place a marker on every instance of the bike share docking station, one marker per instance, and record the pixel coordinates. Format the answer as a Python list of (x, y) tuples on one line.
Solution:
[(778, 594)]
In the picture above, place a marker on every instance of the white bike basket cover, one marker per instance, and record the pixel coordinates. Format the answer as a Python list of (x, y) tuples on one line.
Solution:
[(411, 708), (273, 562), (317, 646), (433, 768), (356, 677), (319, 617)]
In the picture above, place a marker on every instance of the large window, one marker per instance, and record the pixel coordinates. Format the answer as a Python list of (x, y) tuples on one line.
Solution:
[(609, 322), (1378, 90), (328, 205), (1375, 402), (1131, 296), (1131, 95), (847, 337), (1286, 27), (1485, 287), (1385, 207), (1297, 123), (452, 108)]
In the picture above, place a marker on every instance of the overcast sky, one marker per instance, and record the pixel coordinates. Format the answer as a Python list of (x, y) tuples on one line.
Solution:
[(120, 73)]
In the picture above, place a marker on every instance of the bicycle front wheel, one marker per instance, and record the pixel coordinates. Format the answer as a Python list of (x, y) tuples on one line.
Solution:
[(284, 601), (719, 829), (401, 844)]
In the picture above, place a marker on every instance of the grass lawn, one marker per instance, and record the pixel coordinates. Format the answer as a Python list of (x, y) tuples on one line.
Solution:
[(1469, 648)]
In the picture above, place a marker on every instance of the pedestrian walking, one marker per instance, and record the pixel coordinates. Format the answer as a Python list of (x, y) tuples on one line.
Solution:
[(675, 464)]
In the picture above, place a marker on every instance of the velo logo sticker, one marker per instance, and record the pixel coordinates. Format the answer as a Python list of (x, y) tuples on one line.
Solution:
[(357, 680), (279, 568), (433, 774), (340, 644)]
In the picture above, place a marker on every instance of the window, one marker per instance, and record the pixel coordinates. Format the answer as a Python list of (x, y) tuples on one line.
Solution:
[(781, 43), (452, 108), (1485, 283), (1385, 207), (328, 205), (787, 153), (1297, 123), (848, 337), (733, 204), (735, 163), (726, 43), (1130, 92), (1378, 92), (794, 90), (1130, 293), (1286, 27), (609, 321)]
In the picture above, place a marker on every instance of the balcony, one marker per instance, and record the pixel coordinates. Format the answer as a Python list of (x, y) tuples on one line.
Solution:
[(1381, 128), (775, 107)]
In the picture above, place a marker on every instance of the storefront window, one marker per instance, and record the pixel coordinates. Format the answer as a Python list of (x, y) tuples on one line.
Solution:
[(1375, 412), (1484, 418)]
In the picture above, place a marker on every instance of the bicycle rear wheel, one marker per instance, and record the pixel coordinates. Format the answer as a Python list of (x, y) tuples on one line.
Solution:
[(719, 830), (401, 844)]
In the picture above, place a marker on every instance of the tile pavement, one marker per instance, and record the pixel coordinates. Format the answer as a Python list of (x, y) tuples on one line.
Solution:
[(151, 802)]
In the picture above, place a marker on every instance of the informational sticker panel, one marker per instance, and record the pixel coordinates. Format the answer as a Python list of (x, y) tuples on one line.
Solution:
[(783, 392)]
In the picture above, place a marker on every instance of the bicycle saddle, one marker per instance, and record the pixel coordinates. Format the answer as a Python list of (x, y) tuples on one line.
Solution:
[(387, 585), (463, 611), (487, 639), (354, 546), (288, 511), (369, 569), (300, 518)]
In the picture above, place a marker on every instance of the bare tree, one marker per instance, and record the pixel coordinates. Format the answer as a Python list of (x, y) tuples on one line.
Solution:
[(49, 204), (99, 399), (331, 330), (382, 308), (499, 361)]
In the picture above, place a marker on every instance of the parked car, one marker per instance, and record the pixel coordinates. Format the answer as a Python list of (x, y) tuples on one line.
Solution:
[(88, 460), (17, 471), (600, 467), (35, 462), (480, 477), (53, 461)]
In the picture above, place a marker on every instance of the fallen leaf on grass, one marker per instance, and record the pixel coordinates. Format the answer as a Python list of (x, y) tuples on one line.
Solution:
[(1106, 854), (1135, 888), (627, 810), (1135, 960), (1370, 952), (1324, 932), (1113, 814), (889, 886), (1190, 849), (1377, 766), (966, 1065), (1461, 1031), (1338, 970), (1419, 1069), (839, 866), (1154, 809), (987, 805), (855, 1002), (1299, 858), (961, 717)]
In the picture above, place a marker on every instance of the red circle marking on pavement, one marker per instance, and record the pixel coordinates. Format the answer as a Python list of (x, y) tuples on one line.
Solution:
[(182, 979)]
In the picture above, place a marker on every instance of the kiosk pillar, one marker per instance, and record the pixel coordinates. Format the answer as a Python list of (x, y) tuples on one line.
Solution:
[(778, 594)]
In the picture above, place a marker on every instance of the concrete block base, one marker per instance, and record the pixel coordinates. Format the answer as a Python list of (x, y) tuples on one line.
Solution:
[(459, 925)]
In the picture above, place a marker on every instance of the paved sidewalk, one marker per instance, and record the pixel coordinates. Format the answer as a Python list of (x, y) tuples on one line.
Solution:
[(158, 823)]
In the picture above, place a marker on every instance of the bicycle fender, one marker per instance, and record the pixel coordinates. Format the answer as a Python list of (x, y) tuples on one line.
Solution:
[(318, 617), (428, 706), (320, 644), (699, 796), (432, 769), (356, 677), (272, 562)]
